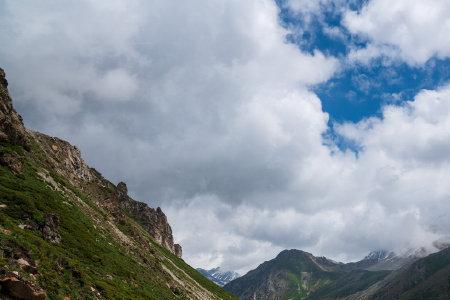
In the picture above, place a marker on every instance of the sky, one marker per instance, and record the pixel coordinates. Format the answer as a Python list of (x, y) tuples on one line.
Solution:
[(256, 125)]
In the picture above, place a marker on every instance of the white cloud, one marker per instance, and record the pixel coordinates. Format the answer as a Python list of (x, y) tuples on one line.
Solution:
[(412, 30), (406, 158), (394, 195), (204, 109)]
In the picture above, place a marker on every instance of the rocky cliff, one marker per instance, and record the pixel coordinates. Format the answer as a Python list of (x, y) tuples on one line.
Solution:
[(67, 232), (153, 220), (66, 160), (11, 125)]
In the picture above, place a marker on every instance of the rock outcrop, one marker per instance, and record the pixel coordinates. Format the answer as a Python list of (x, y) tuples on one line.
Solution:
[(50, 229), (12, 161), (65, 159), (11, 124), (153, 220), (178, 250)]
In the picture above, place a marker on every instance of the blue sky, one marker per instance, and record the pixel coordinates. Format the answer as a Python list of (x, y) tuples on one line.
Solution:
[(358, 91)]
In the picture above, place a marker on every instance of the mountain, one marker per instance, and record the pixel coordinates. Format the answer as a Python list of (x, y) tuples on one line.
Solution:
[(295, 274), (426, 278), (386, 260), (218, 276), (66, 232)]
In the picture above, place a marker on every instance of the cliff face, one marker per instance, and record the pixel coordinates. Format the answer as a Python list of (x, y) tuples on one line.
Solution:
[(153, 220), (66, 231)]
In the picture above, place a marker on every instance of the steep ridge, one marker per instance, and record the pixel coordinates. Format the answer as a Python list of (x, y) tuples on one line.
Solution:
[(426, 278), (65, 231), (386, 260), (295, 274)]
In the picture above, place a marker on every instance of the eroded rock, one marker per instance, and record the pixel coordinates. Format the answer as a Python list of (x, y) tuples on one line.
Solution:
[(11, 124), (28, 265), (12, 161), (178, 250), (122, 191), (153, 220), (50, 229)]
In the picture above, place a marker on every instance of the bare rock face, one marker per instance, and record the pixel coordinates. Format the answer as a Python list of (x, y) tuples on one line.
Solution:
[(161, 230), (122, 191), (12, 161), (153, 220), (50, 229), (65, 159), (178, 250), (6, 104), (3, 80), (12, 286), (11, 125)]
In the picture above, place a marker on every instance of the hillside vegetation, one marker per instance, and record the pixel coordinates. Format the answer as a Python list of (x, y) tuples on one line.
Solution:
[(68, 233)]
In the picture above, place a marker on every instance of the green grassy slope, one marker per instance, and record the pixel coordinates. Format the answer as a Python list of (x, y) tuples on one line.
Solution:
[(66, 229), (90, 262)]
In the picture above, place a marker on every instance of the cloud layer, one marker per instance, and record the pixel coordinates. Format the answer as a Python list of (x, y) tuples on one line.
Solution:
[(204, 109), (410, 30)]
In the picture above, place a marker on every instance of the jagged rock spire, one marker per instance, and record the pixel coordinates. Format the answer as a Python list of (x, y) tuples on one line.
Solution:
[(3, 80), (153, 220), (122, 190)]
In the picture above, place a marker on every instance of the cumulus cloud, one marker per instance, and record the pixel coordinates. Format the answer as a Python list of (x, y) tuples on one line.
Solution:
[(413, 31), (393, 195), (406, 159), (180, 100), (204, 109)]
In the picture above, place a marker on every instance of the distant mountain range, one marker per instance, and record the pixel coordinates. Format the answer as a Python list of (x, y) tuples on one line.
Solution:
[(219, 276), (297, 275)]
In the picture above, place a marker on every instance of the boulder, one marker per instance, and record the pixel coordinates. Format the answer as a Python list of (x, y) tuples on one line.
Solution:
[(27, 265), (11, 285)]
